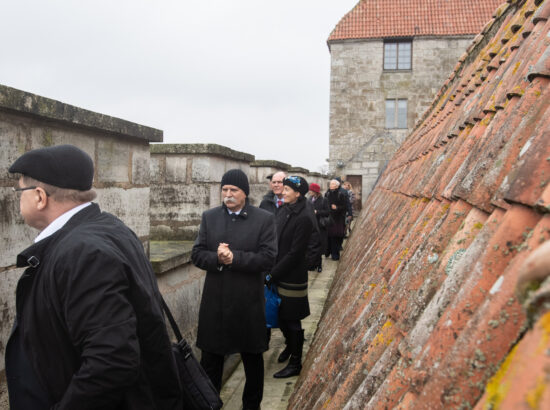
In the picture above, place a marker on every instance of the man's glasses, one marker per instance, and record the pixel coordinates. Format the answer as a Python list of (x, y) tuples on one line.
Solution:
[(27, 188), (276, 182), (23, 189)]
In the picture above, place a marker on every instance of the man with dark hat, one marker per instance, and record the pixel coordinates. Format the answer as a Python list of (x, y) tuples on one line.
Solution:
[(89, 330), (236, 243)]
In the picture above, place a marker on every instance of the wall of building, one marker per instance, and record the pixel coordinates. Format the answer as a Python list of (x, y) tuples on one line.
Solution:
[(359, 142)]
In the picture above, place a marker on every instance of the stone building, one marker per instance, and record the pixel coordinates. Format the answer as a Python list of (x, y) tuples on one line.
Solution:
[(388, 59)]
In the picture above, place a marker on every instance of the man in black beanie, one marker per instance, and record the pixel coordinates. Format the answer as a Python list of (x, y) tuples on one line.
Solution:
[(236, 243), (89, 330)]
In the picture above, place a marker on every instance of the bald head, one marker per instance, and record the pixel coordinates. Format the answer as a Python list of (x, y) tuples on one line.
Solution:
[(276, 183)]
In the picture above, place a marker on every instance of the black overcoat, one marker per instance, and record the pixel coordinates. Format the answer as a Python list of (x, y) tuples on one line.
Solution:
[(90, 321), (321, 206), (338, 215), (232, 311), (294, 228)]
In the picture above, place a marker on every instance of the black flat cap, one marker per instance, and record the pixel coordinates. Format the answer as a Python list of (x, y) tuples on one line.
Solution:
[(63, 166)]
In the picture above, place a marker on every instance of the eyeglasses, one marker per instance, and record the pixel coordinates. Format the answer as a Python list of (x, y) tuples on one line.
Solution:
[(27, 188), (295, 180), (276, 182), (23, 189)]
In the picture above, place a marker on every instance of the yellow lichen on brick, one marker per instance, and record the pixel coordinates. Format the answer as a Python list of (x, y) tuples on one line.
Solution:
[(545, 324), (478, 225), (497, 388), (534, 396)]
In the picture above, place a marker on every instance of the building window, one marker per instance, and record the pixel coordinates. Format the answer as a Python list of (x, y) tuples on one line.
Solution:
[(396, 113), (397, 55)]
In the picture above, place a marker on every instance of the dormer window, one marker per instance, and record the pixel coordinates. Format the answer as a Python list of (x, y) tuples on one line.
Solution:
[(397, 54)]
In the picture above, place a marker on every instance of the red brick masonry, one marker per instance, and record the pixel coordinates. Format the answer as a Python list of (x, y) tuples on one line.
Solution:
[(442, 296)]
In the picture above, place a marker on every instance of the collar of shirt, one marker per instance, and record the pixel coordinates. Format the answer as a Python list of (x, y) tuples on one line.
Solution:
[(231, 212), (60, 221), (277, 199)]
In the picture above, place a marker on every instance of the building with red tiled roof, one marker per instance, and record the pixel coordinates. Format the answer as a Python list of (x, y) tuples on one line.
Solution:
[(388, 59), (441, 299)]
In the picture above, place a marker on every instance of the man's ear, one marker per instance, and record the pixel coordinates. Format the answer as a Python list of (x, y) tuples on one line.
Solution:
[(42, 198)]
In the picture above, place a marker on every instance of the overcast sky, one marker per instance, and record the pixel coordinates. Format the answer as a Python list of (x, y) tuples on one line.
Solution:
[(253, 75)]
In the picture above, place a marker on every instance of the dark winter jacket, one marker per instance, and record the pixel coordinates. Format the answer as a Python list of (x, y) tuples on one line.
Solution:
[(338, 215), (315, 246), (232, 311), (268, 203), (321, 206), (294, 227), (89, 320)]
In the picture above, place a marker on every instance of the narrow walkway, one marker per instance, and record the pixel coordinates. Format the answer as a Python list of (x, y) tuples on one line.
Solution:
[(278, 391)]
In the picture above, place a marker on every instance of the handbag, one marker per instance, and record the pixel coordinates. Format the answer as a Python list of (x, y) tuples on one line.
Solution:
[(272, 302), (325, 221), (198, 392)]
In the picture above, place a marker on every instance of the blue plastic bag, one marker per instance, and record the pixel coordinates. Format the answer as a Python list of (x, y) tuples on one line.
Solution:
[(272, 302)]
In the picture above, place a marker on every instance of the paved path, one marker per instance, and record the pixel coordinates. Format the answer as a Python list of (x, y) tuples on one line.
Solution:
[(278, 391)]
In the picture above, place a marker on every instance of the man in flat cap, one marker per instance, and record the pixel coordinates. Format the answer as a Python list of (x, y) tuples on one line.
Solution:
[(236, 243), (89, 330)]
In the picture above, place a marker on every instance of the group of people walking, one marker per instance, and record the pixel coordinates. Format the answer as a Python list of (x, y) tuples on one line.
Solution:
[(89, 330)]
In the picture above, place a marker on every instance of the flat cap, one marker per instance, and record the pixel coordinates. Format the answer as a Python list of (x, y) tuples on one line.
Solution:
[(63, 166)]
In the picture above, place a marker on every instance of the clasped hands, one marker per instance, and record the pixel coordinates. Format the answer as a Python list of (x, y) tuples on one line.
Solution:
[(225, 256)]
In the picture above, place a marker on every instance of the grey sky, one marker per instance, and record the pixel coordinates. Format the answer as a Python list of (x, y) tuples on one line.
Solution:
[(253, 75)]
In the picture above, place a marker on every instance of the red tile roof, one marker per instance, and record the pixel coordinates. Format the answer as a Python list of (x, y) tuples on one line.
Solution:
[(442, 295), (408, 18)]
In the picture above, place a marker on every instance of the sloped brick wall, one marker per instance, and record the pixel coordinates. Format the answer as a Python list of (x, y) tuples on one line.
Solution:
[(442, 295)]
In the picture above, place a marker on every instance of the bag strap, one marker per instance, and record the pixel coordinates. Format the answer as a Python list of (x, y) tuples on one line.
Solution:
[(171, 319)]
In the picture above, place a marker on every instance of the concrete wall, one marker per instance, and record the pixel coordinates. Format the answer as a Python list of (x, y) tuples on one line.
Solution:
[(185, 182), (120, 151), (359, 142)]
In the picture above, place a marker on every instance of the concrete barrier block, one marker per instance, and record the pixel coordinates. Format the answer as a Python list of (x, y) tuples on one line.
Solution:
[(176, 169), (130, 205), (113, 161)]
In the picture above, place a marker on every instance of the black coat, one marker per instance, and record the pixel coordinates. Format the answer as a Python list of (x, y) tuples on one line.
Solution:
[(338, 215), (294, 227), (321, 206), (315, 246), (232, 311), (89, 319)]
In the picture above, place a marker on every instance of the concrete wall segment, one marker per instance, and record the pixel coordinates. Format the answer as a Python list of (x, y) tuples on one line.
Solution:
[(13, 100)]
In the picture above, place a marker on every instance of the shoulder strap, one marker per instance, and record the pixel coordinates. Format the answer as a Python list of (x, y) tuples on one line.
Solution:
[(173, 323)]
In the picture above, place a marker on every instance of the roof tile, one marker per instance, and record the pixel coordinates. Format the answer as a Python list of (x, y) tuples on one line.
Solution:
[(408, 18), (424, 307)]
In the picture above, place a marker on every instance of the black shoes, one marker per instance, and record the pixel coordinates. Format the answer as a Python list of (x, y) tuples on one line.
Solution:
[(285, 354), (295, 345)]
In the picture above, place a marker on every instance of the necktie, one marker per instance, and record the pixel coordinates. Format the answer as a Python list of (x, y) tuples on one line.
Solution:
[(279, 203)]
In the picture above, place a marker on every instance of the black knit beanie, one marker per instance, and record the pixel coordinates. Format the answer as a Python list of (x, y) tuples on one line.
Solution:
[(238, 178)]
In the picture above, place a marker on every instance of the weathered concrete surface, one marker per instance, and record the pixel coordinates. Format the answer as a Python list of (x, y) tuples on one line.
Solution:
[(278, 391)]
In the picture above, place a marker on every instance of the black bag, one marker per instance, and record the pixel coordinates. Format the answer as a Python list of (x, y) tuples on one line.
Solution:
[(198, 392)]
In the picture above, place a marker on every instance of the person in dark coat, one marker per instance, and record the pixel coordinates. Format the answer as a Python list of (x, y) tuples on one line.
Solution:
[(273, 200), (89, 331), (338, 204), (235, 245), (321, 210), (290, 273)]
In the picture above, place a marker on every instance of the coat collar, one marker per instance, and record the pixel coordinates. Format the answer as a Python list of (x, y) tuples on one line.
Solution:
[(35, 253), (244, 211)]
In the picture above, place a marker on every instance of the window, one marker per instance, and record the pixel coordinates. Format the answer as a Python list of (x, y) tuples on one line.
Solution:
[(396, 113), (397, 55)]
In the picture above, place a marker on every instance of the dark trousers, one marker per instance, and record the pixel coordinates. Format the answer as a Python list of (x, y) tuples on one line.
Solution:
[(335, 243), (253, 369)]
